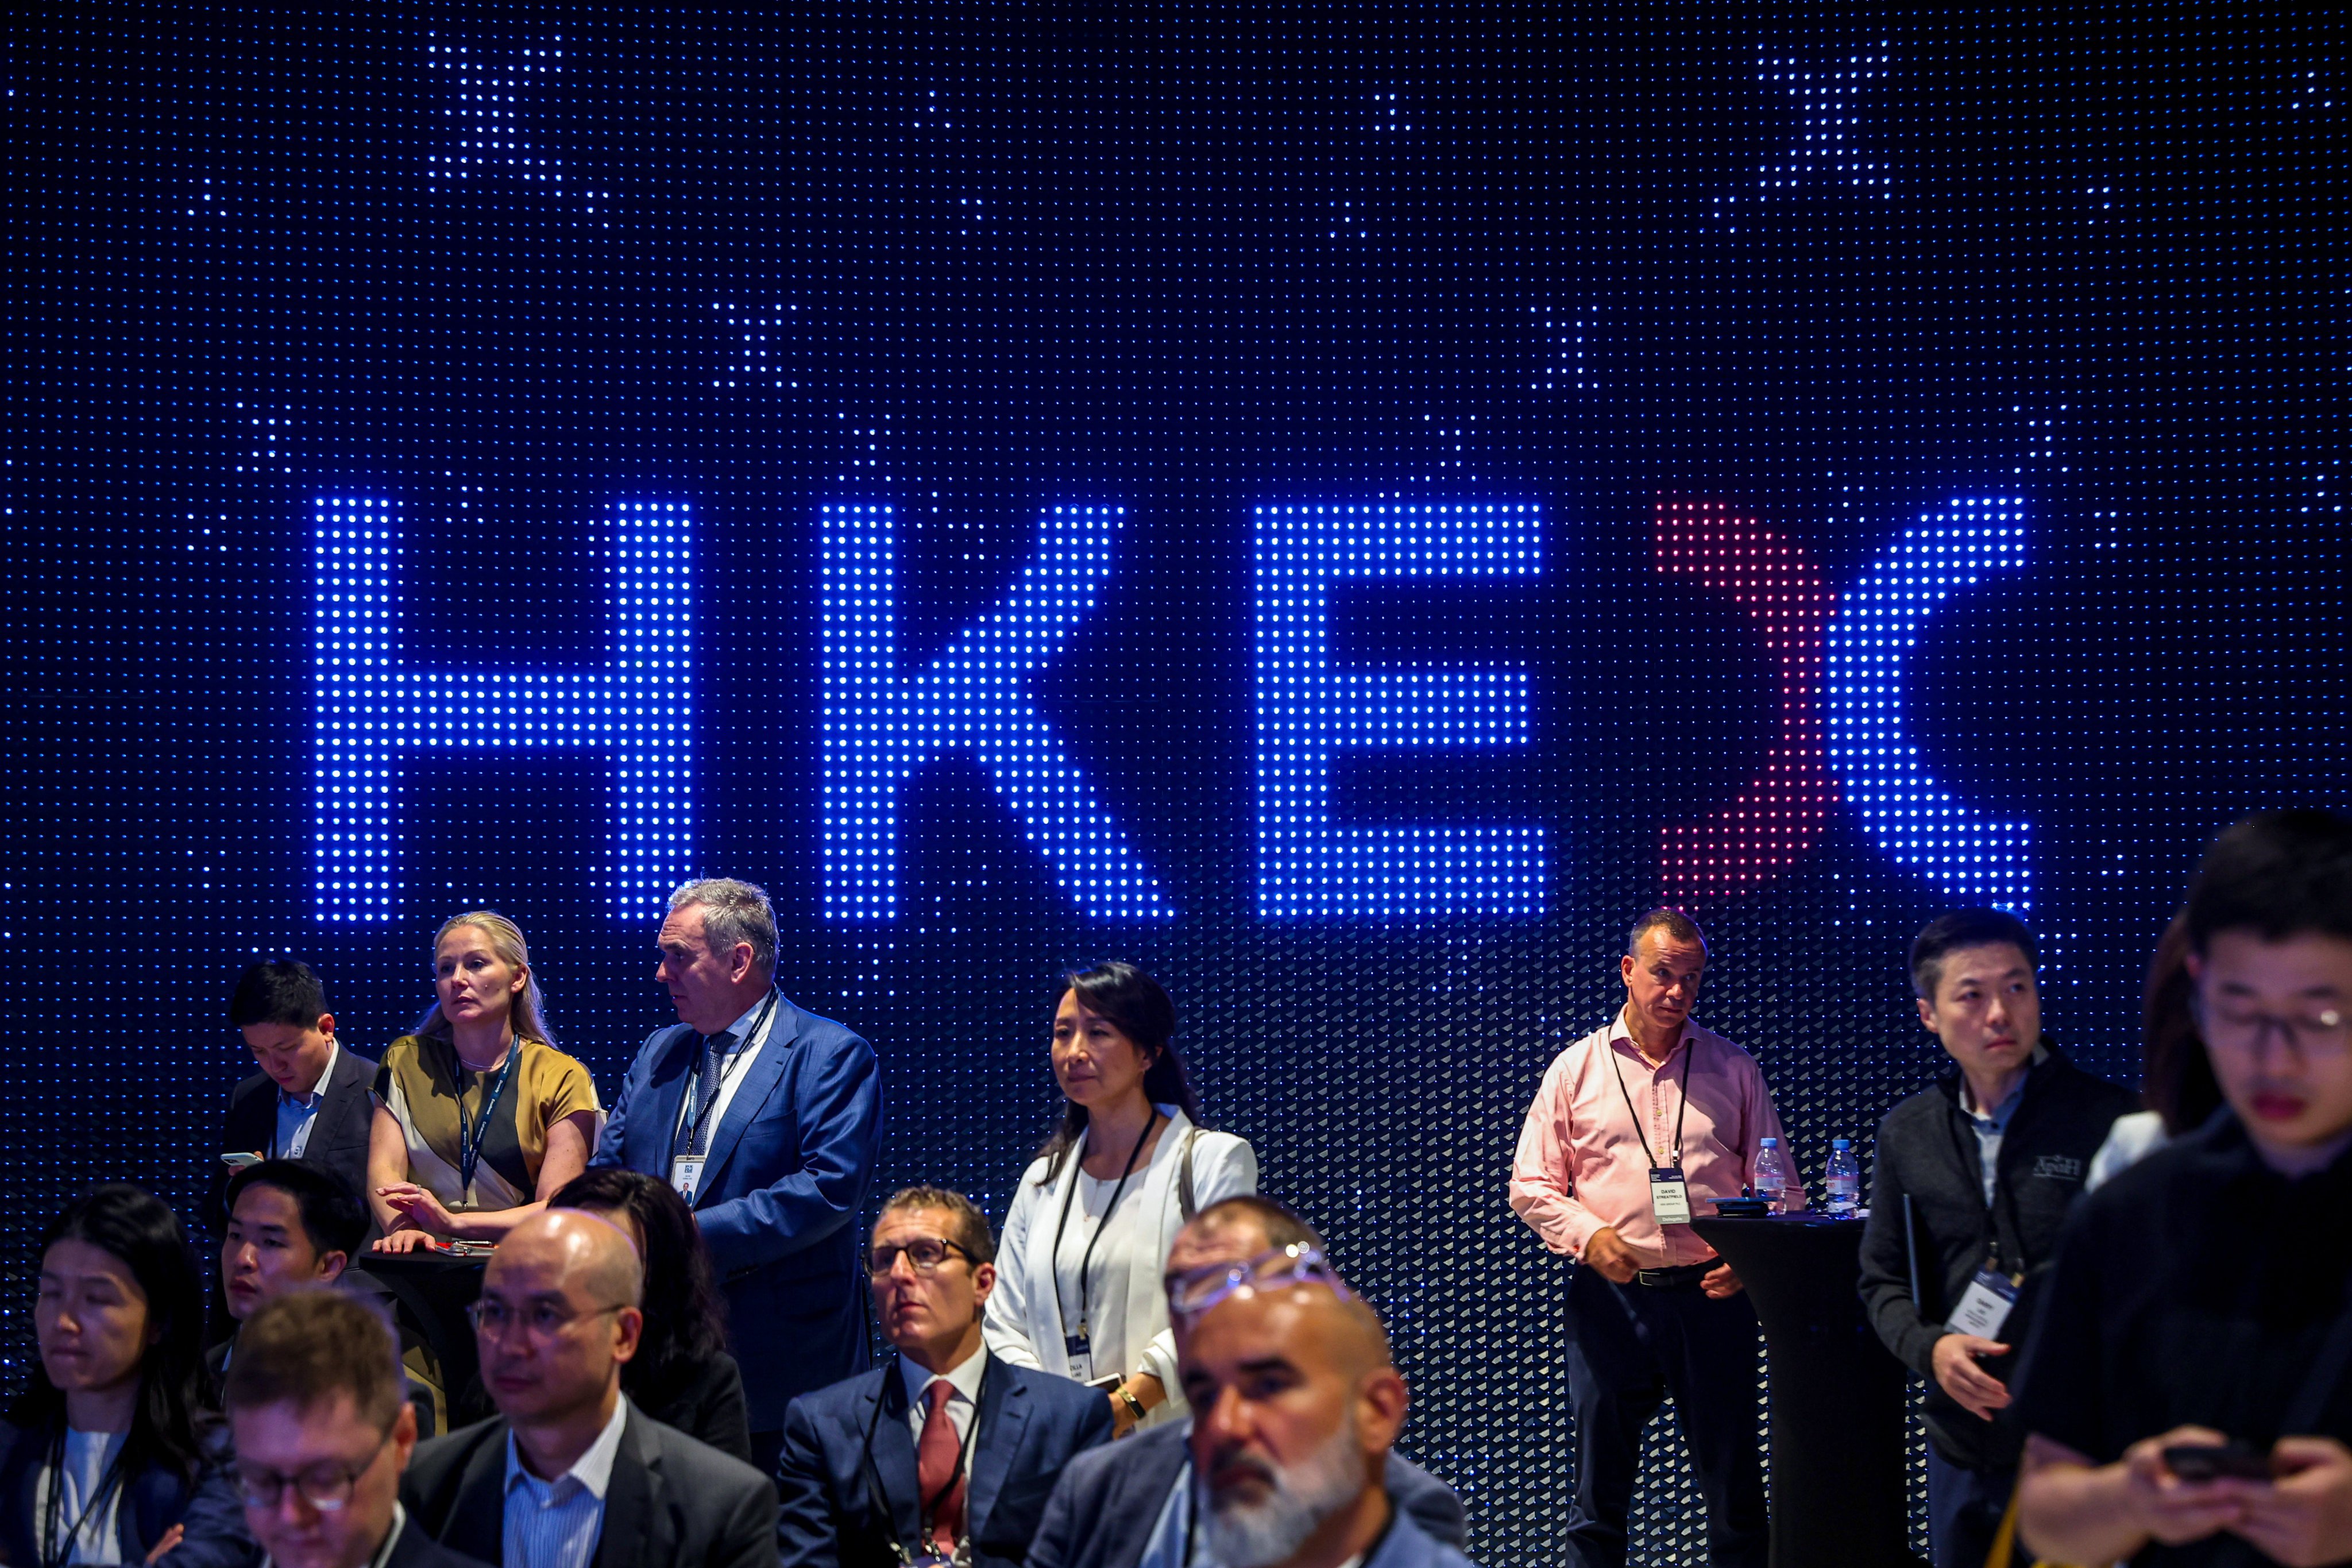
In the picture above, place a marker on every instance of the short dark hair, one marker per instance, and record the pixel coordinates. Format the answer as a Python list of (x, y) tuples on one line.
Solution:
[(308, 1345), (1948, 933), (1674, 922), (968, 1224), (1281, 1223), (276, 991), (2278, 874), (333, 1216)]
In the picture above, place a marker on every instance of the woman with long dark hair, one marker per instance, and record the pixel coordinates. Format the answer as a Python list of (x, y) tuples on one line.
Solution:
[(1079, 1279), (681, 1375), (2176, 1076), (109, 1455)]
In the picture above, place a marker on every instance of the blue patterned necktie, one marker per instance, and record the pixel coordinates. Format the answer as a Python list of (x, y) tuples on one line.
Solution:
[(706, 1093)]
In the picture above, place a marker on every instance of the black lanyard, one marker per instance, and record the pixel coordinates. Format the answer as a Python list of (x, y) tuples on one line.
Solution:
[(1641, 1128), (734, 1059), (1086, 1258), (469, 1138), (56, 1549), (1991, 1236), (877, 1496)]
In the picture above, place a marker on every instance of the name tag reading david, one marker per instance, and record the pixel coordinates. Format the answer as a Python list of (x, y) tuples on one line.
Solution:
[(1669, 1195), (1984, 1306), (685, 1177)]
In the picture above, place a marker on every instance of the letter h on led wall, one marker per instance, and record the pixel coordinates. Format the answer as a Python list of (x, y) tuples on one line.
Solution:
[(371, 706), (1309, 706)]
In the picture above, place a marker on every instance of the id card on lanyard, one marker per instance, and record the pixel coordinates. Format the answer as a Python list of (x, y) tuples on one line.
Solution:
[(1079, 1346), (1992, 1294), (688, 1147), (1669, 1189)]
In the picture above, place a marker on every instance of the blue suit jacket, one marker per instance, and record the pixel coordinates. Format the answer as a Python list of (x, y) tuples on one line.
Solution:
[(152, 1501), (787, 1172), (1031, 1423), (1103, 1513)]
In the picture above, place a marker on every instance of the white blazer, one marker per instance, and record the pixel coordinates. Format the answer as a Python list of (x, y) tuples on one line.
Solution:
[(1023, 1325)]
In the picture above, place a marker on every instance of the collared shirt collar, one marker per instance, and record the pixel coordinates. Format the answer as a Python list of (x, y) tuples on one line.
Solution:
[(1999, 1118), (591, 1472), (739, 1033), (963, 1377), (326, 1075), (1622, 1031)]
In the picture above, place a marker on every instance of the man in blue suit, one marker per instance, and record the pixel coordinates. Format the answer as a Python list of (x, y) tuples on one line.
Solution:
[(948, 1447), (767, 1120)]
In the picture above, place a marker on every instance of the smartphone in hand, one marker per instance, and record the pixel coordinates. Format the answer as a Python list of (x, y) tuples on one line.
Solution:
[(2211, 1461)]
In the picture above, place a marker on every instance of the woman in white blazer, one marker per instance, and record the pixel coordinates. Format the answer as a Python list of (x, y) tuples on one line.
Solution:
[(1080, 1290)]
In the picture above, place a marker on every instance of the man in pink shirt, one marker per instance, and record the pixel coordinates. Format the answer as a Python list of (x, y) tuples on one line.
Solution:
[(1637, 1128)]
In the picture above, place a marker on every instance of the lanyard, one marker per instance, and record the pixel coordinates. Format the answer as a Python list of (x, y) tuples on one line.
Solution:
[(469, 1138), (1991, 1234), (55, 1549), (1640, 1129), (877, 1496), (734, 1059), (1086, 1258)]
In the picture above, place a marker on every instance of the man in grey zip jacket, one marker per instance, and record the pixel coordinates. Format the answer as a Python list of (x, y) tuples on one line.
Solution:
[(1975, 1176)]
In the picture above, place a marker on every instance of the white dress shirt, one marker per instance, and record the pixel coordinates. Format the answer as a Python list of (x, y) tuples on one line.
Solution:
[(555, 1524), (85, 1457), (963, 1398), (734, 1066)]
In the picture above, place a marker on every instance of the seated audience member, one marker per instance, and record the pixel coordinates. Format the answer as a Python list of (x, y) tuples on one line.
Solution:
[(108, 1456), (293, 1224), (568, 1473), (2176, 1081), (1129, 1504), (948, 1451), (322, 1433), (1976, 1174), (681, 1375), (1294, 1406), (312, 1099), (2188, 1387), (1077, 1293), (480, 1116)]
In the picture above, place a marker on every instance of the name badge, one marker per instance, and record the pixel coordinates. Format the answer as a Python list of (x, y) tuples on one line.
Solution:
[(685, 1177), (1984, 1306), (1669, 1195), (1081, 1351)]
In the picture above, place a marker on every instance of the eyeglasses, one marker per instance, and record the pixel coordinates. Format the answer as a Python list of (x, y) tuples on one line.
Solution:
[(326, 1487), (1195, 1291), (544, 1321), (2245, 1028), (925, 1252)]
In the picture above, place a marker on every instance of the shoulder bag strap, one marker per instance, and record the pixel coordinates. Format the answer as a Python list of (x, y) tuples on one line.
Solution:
[(1185, 1205)]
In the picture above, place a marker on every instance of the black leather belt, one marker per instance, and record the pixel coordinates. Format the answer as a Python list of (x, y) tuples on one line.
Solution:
[(1683, 1277)]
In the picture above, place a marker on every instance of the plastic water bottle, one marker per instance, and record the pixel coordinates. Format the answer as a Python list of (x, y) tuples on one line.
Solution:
[(1843, 1180), (1773, 1177)]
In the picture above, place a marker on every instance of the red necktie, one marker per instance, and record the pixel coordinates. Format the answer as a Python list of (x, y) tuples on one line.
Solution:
[(936, 1458)]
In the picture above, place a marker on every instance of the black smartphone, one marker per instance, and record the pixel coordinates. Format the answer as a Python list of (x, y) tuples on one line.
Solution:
[(2211, 1461)]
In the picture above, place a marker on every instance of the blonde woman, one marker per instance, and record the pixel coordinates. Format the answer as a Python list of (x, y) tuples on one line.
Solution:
[(479, 1118)]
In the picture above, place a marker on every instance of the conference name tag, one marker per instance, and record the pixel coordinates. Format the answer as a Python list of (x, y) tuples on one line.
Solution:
[(1669, 1195), (1081, 1351), (685, 1175), (1984, 1305)]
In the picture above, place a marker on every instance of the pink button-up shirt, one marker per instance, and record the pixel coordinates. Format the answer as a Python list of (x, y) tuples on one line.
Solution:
[(1582, 1164)]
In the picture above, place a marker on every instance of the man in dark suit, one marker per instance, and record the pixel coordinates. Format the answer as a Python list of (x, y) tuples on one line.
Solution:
[(311, 1100), (569, 1474), (322, 1434), (948, 1447), (1295, 1403), (767, 1120), (1128, 1504)]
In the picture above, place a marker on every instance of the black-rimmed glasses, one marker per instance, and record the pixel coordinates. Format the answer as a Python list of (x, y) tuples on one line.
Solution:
[(925, 1252), (325, 1487), (2326, 1029)]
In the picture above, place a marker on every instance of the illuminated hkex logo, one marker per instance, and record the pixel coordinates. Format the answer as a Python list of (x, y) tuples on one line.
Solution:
[(1844, 731)]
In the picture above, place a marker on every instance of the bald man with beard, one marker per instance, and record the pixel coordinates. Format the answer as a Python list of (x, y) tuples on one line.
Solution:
[(569, 1474), (1131, 1504)]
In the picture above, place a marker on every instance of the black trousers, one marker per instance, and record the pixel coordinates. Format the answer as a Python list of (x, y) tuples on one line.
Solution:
[(1629, 1346)]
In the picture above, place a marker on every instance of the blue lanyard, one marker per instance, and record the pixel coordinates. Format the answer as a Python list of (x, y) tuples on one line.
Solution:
[(469, 1139)]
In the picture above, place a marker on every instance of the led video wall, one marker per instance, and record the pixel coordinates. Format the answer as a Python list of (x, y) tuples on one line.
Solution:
[(1345, 508)]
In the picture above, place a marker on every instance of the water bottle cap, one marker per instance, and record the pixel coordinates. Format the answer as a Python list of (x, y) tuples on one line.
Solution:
[(1840, 1143), (1771, 1142)]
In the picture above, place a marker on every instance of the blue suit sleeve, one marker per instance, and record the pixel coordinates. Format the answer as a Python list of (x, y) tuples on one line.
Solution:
[(215, 1521), (807, 1535), (839, 1110), (608, 1149)]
